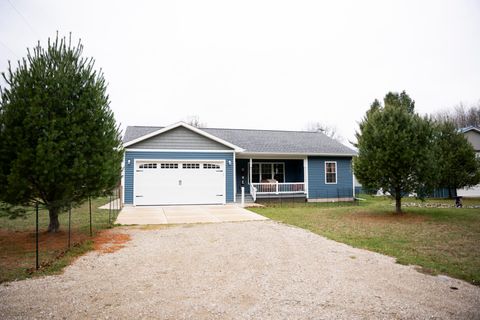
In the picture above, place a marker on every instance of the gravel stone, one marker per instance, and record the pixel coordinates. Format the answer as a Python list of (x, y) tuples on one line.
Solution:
[(242, 270)]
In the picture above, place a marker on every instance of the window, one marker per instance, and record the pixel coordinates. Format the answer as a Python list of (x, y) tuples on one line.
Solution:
[(191, 166), (330, 172), (278, 172), (169, 166), (266, 172), (148, 166), (262, 171), (211, 166)]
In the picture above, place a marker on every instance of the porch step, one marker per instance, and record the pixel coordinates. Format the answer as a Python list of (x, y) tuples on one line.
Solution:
[(248, 198)]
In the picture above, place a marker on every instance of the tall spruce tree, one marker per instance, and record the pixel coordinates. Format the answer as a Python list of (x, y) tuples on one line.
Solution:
[(59, 142), (395, 151)]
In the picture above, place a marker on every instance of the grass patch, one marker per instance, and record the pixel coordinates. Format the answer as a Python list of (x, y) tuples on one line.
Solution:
[(17, 241), (440, 240)]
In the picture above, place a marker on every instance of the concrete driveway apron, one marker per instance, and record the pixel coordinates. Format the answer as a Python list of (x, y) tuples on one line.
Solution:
[(142, 215)]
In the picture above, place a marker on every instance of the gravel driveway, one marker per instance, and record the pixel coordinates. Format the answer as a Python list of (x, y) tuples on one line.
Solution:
[(243, 270)]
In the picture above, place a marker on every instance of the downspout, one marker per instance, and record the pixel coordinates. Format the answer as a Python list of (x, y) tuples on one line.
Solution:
[(353, 182), (234, 177)]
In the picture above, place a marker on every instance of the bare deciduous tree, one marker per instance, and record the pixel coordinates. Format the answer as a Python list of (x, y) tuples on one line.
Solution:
[(461, 115), (195, 121), (330, 131)]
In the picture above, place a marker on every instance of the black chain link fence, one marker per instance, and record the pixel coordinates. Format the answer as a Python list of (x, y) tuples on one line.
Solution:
[(27, 246)]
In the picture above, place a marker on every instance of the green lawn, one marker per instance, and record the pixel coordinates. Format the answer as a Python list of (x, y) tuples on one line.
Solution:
[(441, 241), (17, 240)]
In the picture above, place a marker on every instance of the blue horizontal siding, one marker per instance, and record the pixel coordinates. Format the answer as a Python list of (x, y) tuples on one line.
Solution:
[(442, 193), (157, 155), (318, 189)]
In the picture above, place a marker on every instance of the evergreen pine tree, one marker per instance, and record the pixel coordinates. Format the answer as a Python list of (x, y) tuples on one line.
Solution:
[(59, 142)]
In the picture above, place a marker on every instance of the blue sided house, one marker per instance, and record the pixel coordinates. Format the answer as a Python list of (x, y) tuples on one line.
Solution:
[(181, 164)]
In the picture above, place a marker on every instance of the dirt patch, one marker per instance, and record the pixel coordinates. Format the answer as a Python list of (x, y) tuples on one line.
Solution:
[(25, 240), (18, 247), (389, 217), (109, 241), (17, 250)]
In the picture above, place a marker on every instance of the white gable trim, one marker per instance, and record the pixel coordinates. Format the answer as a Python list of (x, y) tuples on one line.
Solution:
[(468, 129), (472, 129), (179, 150), (189, 127)]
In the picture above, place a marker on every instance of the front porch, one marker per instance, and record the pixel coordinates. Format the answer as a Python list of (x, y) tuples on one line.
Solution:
[(271, 178)]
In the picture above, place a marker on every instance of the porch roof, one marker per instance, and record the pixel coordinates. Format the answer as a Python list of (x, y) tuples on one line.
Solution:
[(265, 141)]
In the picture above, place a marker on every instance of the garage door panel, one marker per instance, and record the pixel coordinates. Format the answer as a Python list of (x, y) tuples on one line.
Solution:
[(181, 182)]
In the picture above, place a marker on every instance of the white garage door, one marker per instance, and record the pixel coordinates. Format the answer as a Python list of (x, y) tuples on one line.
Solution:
[(179, 182)]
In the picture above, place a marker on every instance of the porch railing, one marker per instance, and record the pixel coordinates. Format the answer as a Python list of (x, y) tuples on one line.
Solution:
[(277, 188), (253, 192)]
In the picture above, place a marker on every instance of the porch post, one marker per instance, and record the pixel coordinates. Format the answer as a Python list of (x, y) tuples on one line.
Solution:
[(250, 172), (305, 175)]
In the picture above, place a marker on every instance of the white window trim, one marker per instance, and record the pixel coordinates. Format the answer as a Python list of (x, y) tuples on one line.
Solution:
[(336, 172), (271, 163)]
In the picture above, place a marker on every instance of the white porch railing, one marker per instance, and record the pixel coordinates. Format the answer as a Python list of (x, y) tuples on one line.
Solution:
[(277, 188), (253, 192)]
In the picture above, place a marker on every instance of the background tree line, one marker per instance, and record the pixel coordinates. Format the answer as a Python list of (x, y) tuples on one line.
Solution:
[(460, 116)]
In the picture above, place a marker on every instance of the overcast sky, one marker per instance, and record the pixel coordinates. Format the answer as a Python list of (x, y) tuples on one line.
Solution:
[(262, 64)]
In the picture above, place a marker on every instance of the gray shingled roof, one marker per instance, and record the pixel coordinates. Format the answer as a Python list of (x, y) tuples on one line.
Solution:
[(268, 141)]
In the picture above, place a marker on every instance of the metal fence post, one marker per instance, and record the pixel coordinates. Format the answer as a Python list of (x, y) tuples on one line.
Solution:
[(110, 210), (37, 265), (90, 213), (118, 201), (69, 225)]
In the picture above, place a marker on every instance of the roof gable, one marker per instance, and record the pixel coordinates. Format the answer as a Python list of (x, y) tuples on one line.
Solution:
[(177, 136)]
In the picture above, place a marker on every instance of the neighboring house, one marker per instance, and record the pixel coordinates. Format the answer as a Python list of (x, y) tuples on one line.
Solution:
[(182, 164), (472, 134)]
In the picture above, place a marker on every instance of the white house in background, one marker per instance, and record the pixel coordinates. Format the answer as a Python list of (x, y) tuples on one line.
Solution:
[(472, 134)]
